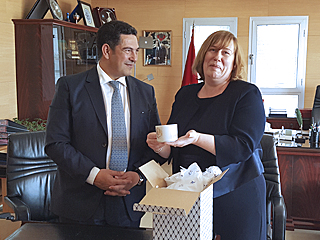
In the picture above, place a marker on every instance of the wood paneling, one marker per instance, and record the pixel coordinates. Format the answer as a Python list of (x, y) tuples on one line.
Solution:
[(167, 15), (8, 100), (15, 9), (172, 13)]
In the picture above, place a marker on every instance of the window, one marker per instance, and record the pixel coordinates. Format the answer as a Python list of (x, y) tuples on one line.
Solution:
[(203, 27), (277, 60)]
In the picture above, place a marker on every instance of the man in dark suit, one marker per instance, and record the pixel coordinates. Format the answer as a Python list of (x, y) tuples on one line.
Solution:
[(79, 133)]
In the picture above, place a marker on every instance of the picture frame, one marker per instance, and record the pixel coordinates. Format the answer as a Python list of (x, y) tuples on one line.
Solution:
[(103, 15), (86, 13), (160, 54), (41, 7)]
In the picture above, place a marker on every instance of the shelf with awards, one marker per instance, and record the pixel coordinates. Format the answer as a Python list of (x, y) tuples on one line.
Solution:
[(47, 49)]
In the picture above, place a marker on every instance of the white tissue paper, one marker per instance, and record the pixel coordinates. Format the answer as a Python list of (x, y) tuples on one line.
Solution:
[(192, 179)]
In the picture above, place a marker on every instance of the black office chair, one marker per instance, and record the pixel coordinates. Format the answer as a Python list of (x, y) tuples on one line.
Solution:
[(276, 208), (3, 165), (30, 177), (316, 107)]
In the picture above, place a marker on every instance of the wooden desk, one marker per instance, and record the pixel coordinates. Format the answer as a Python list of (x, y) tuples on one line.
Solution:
[(291, 122), (288, 123), (56, 231), (3, 148), (300, 183)]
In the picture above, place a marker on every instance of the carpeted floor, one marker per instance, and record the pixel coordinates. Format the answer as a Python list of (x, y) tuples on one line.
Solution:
[(300, 234), (7, 228)]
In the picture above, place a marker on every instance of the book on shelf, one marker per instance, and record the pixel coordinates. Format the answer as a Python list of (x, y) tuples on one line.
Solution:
[(3, 141), (8, 122), (3, 156), (273, 112), (7, 127), (12, 129), (4, 135), (279, 115), (3, 160)]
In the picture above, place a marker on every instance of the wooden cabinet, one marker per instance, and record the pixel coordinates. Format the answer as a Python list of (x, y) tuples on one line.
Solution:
[(47, 49), (291, 123), (287, 123), (300, 183)]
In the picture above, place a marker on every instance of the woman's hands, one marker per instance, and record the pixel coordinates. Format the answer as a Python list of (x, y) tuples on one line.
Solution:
[(205, 141), (163, 149), (153, 142), (191, 137), (158, 147)]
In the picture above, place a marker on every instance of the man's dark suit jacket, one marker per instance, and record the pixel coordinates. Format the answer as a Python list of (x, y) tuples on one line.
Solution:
[(77, 141)]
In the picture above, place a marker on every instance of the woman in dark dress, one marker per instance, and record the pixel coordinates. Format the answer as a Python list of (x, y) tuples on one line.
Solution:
[(221, 122)]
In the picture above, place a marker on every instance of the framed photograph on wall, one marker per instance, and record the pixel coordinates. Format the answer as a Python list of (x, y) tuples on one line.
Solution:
[(160, 54), (103, 15), (86, 12)]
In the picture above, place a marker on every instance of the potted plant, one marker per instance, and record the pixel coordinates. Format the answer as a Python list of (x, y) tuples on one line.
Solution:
[(36, 124), (299, 137)]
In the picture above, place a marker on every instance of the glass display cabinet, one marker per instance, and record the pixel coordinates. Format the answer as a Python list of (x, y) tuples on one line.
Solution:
[(47, 49)]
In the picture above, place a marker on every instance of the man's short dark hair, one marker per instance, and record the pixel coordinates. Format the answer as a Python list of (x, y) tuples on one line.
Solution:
[(110, 33)]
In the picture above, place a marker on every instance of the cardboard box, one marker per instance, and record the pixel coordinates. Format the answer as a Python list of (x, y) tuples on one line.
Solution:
[(177, 214)]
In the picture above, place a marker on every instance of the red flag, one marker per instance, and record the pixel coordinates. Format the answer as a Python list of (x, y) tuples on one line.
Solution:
[(188, 76)]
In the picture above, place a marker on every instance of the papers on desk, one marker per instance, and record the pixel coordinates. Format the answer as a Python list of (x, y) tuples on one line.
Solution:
[(282, 134), (287, 135), (285, 138), (274, 132)]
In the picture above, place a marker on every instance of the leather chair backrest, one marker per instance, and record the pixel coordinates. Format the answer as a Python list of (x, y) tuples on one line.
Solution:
[(275, 205), (31, 173), (3, 164), (271, 167), (316, 106)]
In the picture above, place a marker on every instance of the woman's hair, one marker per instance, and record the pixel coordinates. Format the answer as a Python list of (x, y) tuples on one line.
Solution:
[(221, 39)]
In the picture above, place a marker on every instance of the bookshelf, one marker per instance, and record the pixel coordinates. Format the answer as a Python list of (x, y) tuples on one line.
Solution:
[(47, 49)]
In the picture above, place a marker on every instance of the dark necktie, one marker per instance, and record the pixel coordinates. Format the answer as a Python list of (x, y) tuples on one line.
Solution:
[(119, 152)]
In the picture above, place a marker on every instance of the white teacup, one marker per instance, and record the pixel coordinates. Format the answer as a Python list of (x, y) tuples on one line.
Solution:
[(167, 133)]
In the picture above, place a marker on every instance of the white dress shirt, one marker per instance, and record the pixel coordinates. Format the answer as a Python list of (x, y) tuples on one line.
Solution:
[(107, 91)]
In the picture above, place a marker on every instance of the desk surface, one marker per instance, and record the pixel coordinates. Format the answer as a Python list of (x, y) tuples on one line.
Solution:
[(57, 231), (3, 148), (285, 145)]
